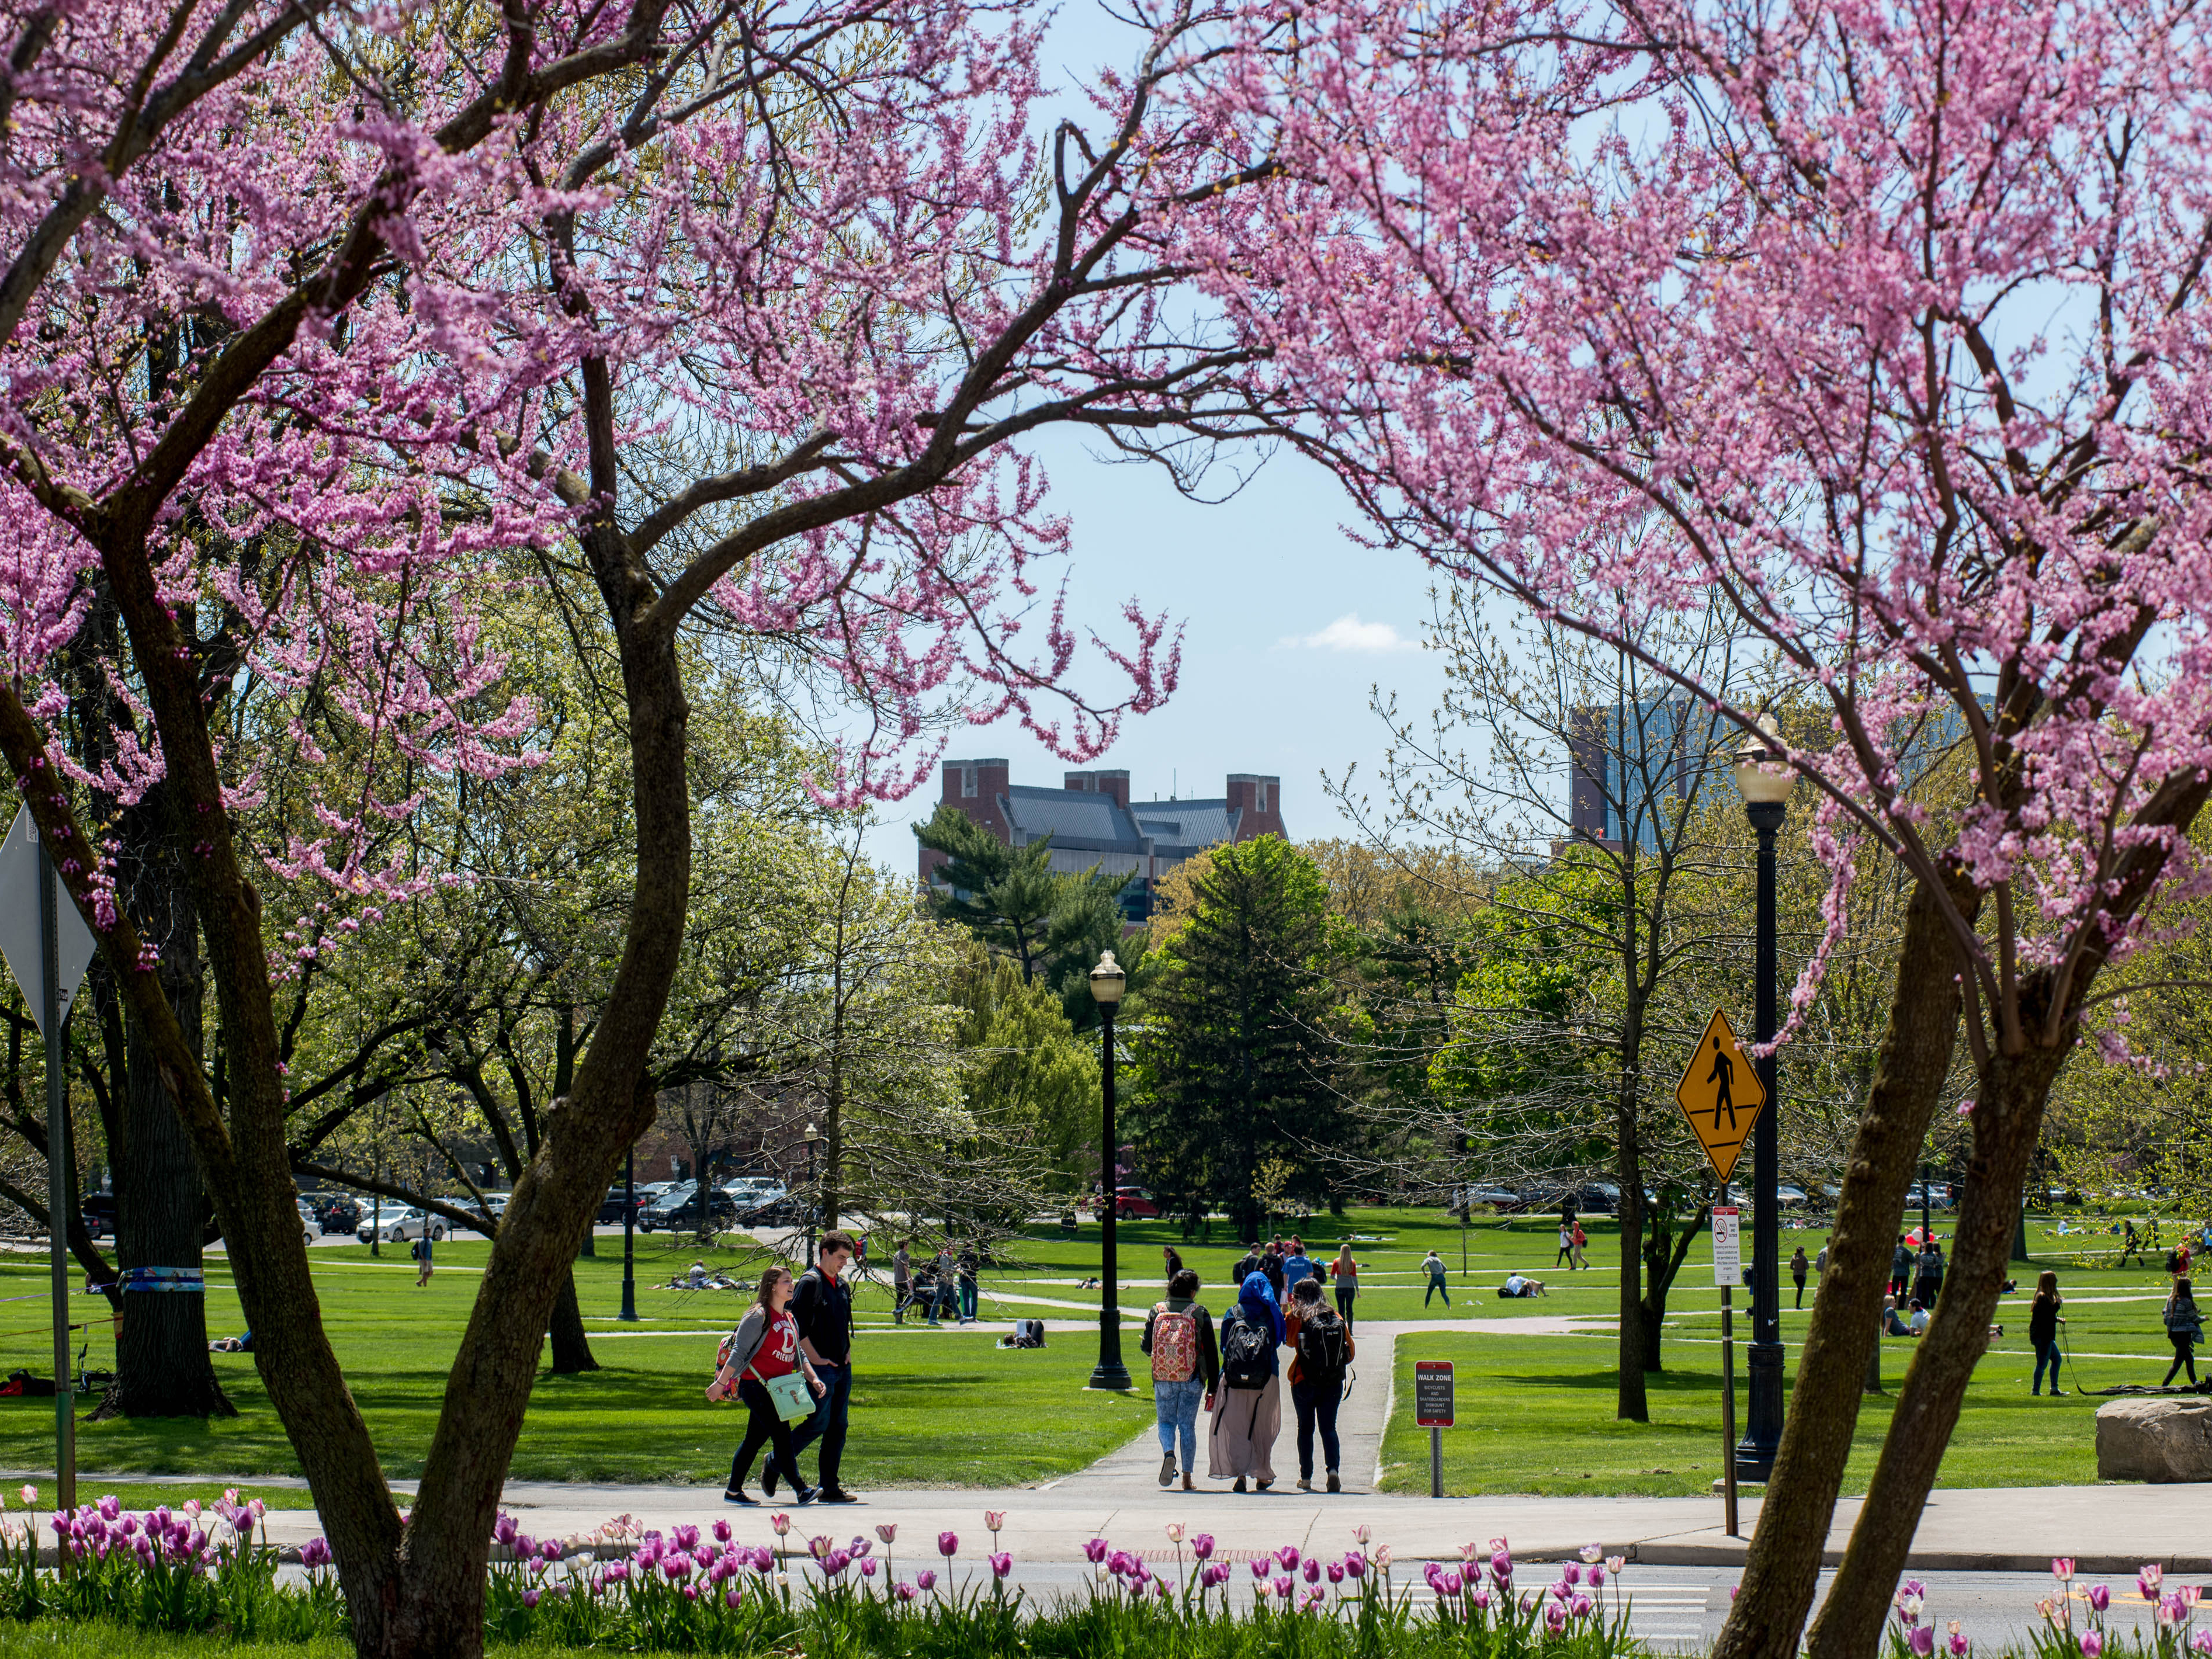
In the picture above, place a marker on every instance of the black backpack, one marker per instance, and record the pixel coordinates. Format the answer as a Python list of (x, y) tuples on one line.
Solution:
[(1246, 1348), (1320, 1349)]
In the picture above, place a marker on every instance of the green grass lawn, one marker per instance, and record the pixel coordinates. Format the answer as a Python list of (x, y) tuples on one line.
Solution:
[(1536, 1414), (643, 1418), (1537, 1410)]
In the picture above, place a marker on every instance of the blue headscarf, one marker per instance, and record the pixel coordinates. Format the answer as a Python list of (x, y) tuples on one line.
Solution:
[(1258, 1301)]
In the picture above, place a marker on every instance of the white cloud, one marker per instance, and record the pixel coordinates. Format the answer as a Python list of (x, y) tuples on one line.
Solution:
[(1348, 632)]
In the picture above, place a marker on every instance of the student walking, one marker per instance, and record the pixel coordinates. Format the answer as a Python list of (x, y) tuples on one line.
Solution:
[(1297, 1266), (822, 1307), (421, 1255), (1566, 1245), (2184, 1328), (941, 1294), (1433, 1265), (1345, 1271), (1173, 1258), (1321, 1353), (1581, 1241), (1186, 1371), (2131, 1245), (765, 1346), (1900, 1268), (902, 1282), (2043, 1323), (966, 1279), (1248, 1409), (1799, 1266), (1928, 1282)]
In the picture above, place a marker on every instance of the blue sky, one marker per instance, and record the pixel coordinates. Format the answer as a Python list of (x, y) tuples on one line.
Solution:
[(1287, 623)]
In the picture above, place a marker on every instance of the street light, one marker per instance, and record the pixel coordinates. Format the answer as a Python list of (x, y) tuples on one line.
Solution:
[(1107, 983), (1764, 776), (813, 1198), (629, 1235)]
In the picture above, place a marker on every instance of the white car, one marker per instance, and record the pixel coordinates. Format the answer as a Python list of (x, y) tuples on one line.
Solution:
[(312, 1227), (399, 1225)]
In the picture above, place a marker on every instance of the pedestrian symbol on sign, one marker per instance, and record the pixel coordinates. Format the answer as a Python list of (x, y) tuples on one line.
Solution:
[(1720, 1094)]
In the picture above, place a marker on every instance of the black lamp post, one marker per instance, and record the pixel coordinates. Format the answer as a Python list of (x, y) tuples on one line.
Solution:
[(1107, 981), (629, 1235), (813, 1198), (1764, 778)]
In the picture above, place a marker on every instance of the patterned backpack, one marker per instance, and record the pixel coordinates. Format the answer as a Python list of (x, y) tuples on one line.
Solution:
[(1175, 1344)]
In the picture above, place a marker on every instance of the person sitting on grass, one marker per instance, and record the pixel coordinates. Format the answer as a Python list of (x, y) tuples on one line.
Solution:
[(1892, 1325), (1917, 1320), (1520, 1285)]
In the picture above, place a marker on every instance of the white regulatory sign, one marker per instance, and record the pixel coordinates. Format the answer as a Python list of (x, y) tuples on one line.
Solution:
[(1728, 1252)]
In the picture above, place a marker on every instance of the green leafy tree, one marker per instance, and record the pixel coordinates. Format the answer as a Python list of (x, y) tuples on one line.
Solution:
[(1031, 1078), (1236, 1037)]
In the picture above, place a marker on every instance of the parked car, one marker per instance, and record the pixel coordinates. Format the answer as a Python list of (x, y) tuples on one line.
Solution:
[(399, 1225), (1790, 1198), (610, 1208), (1498, 1198), (308, 1219), (784, 1209), (679, 1211), (336, 1212), (1135, 1204), (1939, 1196), (99, 1214)]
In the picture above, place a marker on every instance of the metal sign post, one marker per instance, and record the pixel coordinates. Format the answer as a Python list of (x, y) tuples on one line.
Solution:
[(1432, 1410), (1728, 1273), (48, 948)]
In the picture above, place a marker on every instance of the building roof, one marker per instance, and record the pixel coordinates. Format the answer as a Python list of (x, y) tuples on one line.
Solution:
[(1184, 825), (1075, 819)]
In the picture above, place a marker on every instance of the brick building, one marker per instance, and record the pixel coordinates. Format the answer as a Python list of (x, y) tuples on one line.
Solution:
[(1094, 825)]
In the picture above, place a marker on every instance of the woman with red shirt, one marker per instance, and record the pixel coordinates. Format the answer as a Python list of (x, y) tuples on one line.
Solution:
[(766, 1346)]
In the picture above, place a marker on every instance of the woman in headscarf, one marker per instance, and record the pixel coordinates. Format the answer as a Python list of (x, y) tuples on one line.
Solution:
[(1247, 1408)]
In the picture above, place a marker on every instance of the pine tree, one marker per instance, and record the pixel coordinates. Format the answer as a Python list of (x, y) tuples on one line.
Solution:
[(1237, 1060)]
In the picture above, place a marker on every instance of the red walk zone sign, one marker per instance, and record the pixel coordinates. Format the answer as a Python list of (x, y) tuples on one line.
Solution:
[(1721, 1095), (1433, 1394)]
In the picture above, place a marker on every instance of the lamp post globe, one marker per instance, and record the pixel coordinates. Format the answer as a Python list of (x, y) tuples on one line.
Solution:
[(1764, 776), (1107, 983)]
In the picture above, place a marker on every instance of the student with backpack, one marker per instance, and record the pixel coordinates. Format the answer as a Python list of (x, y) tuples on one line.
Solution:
[(1186, 1371), (1345, 1271), (1247, 1408), (1581, 1241), (421, 1251), (1322, 1356), (2184, 1328)]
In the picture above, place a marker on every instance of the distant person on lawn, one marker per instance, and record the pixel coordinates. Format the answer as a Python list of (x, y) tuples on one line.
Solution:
[(421, 1252), (1433, 1266), (1566, 1244), (1799, 1266), (1345, 1271), (822, 1307), (2184, 1328), (1520, 1285), (902, 1282), (1186, 1370), (1297, 1266), (2043, 1323), (1900, 1267)]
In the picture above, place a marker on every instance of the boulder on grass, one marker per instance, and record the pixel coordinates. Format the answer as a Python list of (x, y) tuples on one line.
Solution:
[(2154, 1440)]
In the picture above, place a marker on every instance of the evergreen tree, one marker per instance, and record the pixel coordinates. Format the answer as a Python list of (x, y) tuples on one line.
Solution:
[(1237, 1063)]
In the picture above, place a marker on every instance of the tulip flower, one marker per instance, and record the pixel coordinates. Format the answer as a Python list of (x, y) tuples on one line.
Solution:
[(2093, 1643), (868, 1566), (1288, 1556), (1095, 1550), (948, 1544), (926, 1579), (1284, 1586), (1175, 1531), (1453, 1584), (906, 1591), (2148, 1577), (1592, 1551), (2062, 1567), (1260, 1568), (1922, 1640), (1336, 1572), (2201, 1642), (1001, 1564), (721, 1532), (887, 1532), (29, 1495), (1555, 1617), (1312, 1571), (1571, 1574), (1360, 1535), (1596, 1577), (1201, 1547), (2100, 1597), (1355, 1564), (1614, 1564), (1469, 1550), (992, 1520), (781, 1523), (1382, 1558), (733, 1597), (1481, 1598), (1581, 1607), (530, 1598)]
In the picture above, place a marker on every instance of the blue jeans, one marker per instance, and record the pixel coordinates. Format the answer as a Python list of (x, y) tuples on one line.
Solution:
[(2046, 1352), (967, 1298), (827, 1426), (1436, 1288), (1177, 1404)]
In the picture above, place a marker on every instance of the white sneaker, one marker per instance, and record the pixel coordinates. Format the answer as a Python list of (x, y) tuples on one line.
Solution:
[(1167, 1470), (1304, 1485)]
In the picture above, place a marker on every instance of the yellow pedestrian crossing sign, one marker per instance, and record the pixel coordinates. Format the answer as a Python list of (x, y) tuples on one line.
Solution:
[(1721, 1095)]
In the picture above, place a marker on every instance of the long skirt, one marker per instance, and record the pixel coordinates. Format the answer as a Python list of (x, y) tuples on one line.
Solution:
[(1242, 1441)]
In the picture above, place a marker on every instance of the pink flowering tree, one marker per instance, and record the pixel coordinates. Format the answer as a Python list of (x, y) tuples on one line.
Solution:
[(743, 313), (1888, 325)]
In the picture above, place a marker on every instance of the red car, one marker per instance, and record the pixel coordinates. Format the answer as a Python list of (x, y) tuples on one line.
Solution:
[(1135, 1204)]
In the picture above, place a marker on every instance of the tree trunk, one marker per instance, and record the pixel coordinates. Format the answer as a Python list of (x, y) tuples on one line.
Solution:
[(572, 1346), (1630, 1404), (2008, 1105), (1782, 1568), (162, 1364)]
